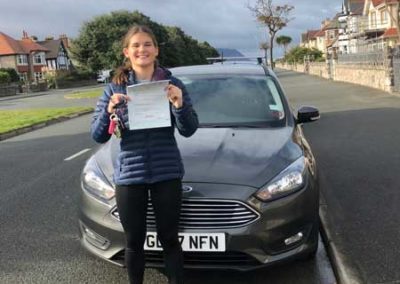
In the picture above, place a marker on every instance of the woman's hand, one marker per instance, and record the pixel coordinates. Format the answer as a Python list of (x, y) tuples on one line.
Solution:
[(174, 95), (115, 99)]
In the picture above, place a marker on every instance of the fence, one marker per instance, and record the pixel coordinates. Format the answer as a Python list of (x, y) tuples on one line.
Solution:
[(9, 89), (371, 58)]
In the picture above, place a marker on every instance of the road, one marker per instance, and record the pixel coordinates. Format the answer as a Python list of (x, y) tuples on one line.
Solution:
[(356, 144), (38, 218)]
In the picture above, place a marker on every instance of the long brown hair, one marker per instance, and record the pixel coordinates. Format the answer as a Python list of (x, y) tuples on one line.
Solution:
[(121, 74)]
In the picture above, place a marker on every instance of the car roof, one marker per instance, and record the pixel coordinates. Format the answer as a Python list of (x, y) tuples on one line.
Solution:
[(237, 68)]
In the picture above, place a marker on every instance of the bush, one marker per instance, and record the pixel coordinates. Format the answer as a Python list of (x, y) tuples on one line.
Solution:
[(4, 77), (14, 77), (297, 54), (51, 80), (63, 79), (77, 75)]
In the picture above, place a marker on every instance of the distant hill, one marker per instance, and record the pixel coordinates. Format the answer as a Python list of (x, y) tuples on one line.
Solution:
[(229, 52)]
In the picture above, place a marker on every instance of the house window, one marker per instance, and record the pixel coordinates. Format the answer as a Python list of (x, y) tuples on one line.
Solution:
[(22, 59), (38, 59), (23, 77), (38, 76), (383, 17), (61, 60), (373, 20)]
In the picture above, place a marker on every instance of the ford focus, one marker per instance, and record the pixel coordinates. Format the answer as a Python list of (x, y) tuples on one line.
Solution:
[(250, 192)]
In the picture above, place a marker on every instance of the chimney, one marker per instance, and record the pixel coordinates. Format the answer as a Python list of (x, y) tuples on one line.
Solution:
[(65, 40), (24, 34)]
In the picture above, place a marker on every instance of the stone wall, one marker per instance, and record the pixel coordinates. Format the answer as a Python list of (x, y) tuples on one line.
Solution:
[(375, 76), (367, 75), (294, 67), (319, 69)]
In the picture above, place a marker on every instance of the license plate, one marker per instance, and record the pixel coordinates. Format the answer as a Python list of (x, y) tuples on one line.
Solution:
[(190, 241)]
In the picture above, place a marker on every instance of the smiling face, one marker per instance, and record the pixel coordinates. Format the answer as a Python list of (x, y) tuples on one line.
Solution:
[(141, 51)]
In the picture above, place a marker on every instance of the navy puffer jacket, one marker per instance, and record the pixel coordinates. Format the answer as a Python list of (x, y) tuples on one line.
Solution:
[(149, 155)]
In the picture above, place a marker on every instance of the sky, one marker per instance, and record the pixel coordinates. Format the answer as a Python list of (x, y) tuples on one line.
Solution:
[(222, 23)]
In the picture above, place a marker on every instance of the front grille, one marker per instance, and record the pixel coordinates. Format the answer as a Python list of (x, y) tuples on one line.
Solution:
[(214, 259), (208, 214)]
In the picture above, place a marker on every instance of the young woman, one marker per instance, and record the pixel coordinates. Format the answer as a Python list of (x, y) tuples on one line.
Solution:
[(149, 160)]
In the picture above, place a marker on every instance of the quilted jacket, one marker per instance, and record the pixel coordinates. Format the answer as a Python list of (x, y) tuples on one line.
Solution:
[(148, 155)]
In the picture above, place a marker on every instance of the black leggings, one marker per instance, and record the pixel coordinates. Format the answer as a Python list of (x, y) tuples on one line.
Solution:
[(132, 207)]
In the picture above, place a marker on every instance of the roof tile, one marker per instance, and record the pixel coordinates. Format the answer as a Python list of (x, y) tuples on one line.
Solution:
[(9, 46)]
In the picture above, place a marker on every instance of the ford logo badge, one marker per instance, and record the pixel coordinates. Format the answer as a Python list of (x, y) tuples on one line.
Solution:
[(186, 188)]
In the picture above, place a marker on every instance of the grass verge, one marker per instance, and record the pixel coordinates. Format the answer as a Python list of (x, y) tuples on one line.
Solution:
[(93, 93), (16, 119)]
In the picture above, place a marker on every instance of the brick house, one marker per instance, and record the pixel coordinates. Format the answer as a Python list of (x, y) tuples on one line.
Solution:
[(25, 56)]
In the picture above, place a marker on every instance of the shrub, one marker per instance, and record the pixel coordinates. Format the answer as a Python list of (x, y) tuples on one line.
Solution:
[(51, 80), (4, 77), (14, 77), (297, 54)]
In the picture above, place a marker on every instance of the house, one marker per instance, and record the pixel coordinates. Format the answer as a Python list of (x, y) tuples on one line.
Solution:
[(25, 56), (350, 25), (381, 27), (309, 39), (320, 39), (331, 29), (57, 58)]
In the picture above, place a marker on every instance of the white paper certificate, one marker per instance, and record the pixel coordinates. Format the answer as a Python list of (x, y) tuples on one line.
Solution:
[(148, 106)]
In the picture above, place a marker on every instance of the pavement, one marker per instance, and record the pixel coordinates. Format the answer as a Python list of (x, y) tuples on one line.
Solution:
[(357, 150)]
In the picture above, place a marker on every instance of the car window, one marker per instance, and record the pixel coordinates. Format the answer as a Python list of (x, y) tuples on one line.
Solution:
[(235, 100)]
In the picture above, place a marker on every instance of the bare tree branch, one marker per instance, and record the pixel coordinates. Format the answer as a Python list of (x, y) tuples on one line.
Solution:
[(274, 17)]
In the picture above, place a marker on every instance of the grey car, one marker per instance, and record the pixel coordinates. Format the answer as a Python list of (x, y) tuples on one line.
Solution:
[(250, 191)]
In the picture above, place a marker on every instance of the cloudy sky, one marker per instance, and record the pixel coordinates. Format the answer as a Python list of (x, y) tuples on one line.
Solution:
[(223, 23)]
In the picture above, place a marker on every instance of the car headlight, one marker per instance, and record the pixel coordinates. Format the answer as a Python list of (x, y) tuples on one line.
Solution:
[(288, 181), (94, 182)]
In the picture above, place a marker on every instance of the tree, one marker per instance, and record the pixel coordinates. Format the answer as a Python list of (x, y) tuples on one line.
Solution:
[(265, 46), (98, 45), (273, 17), (285, 41)]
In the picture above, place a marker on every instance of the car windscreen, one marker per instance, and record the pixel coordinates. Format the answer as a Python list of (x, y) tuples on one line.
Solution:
[(235, 100)]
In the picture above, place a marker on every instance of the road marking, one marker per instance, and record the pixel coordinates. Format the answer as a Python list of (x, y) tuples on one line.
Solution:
[(77, 154)]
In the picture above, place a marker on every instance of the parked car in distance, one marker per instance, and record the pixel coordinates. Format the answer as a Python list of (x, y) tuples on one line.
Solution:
[(104, 76), (250, 191)]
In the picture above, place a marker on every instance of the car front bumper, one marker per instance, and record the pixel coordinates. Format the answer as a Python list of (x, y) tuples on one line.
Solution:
[(258, 244)]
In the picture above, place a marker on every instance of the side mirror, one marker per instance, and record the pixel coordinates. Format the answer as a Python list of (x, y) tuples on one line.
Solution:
[(307, 114)]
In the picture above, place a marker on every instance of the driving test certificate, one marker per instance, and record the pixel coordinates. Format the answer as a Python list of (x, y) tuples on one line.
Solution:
[(148, 106)]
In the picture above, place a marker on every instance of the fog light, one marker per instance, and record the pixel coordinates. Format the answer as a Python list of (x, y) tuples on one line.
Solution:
[(95, 239), (294, 238)]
